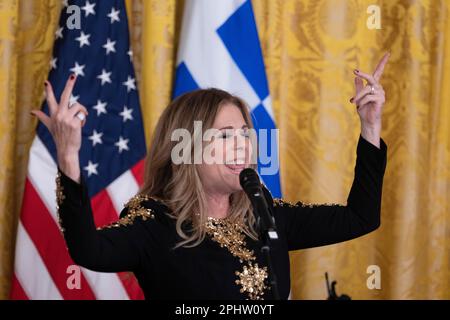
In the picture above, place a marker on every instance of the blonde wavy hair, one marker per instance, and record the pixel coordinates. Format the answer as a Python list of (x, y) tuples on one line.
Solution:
[(179, 186)]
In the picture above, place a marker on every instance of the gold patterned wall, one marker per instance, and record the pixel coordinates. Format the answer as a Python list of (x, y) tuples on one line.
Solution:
[(26, 40), (310, 49)]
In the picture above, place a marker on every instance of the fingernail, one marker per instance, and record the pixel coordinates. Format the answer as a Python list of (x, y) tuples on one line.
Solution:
[(351, 100), (45, 84), (356, 70), (31, 113), (72, 76)]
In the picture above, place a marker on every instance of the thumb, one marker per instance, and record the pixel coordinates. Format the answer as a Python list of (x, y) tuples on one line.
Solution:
[(42, 117)]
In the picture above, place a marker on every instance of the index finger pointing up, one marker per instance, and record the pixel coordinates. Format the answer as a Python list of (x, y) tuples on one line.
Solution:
[(380, 67)]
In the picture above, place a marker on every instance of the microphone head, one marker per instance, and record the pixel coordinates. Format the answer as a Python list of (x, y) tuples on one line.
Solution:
[(249, 178)]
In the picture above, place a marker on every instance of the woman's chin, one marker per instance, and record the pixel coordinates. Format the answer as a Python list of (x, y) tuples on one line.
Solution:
[(233, 183)]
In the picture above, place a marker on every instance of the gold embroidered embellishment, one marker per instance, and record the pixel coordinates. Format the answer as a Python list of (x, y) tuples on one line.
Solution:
[(284, 203), (135, 209), (231, 236), (252, 280), (60, 197)]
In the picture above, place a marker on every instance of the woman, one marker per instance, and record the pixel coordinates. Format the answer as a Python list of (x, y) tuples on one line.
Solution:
[(190, 233)]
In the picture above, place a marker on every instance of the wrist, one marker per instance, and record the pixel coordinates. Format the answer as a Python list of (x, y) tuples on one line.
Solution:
[(69, 165), (371, 133)]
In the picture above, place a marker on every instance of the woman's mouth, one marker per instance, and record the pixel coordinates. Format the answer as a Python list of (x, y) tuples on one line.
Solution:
[(236, 168)]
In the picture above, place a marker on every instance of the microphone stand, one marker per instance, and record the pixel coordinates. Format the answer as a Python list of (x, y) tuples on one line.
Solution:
[(332, 290), (268, 234), (265, 221), (272, 278)]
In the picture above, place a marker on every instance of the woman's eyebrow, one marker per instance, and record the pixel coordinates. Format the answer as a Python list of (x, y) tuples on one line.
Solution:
[(230, 127)]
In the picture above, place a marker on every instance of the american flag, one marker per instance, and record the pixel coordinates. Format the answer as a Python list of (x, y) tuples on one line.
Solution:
[(111, 156)]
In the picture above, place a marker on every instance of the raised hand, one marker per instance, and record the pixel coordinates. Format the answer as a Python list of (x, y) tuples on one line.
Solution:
[(369, 100), (64, 123)]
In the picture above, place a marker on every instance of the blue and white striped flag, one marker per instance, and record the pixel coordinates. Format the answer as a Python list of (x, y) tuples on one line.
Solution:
[(219, 47)]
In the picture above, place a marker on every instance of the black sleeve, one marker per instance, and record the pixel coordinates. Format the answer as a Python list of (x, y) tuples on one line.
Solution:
[(308, 225), (114, 248)]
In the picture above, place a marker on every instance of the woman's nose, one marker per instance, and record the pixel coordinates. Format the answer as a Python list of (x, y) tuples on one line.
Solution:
[(240, 142)]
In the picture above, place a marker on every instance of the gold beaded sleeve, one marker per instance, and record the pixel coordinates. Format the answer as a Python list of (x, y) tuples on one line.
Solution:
[(59, 199), (307, 225), (135, 210), (112, 248)]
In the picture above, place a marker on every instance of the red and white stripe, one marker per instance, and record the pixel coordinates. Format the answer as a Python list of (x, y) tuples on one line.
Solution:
[(41, 258)]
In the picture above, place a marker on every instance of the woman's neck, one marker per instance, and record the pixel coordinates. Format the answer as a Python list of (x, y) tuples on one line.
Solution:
[(218, 205)]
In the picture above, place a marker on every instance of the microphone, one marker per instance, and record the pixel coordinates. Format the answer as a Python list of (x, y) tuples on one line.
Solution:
[(250, 183)]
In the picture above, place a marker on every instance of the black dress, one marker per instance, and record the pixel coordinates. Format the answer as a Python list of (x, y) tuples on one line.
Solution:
[(142, 240)]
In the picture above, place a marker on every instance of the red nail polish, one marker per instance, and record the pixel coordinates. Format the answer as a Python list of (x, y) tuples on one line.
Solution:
[(45, 84), (356, 70), (351, 100), (72, 76)]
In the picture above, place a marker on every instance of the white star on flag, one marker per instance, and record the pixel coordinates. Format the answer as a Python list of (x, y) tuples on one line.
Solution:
[(126, 114), (130, 84), (122, 144), (58, 33), (96, 137), (83, 39), (53, 63), (109, 46), (105, 77), (88, 9), (78, 69), (100, 107), (114, 15), (91, 168), (73, 99)]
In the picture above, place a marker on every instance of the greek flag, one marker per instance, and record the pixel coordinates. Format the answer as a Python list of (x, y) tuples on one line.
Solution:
[(219, 47)]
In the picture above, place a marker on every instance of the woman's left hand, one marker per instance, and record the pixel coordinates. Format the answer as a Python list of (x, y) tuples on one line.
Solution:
[(369, 101)]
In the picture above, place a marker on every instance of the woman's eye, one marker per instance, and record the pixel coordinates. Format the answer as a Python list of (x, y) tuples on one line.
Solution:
[(244, 133)]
